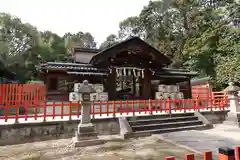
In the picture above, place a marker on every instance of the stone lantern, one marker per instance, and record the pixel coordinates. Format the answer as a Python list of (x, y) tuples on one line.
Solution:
[(233, 116), (232, 92), (86, 135)]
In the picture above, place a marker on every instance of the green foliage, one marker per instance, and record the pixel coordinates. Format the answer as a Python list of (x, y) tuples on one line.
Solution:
[(110, 41), (22, 46), (200, 35)]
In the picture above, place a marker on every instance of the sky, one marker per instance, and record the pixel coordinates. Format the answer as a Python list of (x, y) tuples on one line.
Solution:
[(99, 17)]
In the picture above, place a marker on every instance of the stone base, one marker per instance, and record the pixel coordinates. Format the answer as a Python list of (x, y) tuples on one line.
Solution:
[(232, 119), (86, 132), (86, 128), (89, 142), (86, 136)]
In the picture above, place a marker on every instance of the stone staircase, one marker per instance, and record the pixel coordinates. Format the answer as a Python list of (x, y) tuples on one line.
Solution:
[(156, 124)]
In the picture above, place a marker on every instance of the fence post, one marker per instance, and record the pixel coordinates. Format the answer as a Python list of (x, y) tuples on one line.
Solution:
[(169, 107), (170, 158), (150, 105), (207, 155), (114, 109), (226, 153), (237, 153), (44, 111), (189, 157)]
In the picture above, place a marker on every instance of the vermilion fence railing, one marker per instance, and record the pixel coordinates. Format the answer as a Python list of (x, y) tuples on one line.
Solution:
[(199, 92), (22, 94), (223, 154), (61, 110)]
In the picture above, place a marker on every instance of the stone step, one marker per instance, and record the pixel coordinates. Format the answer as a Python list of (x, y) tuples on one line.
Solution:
[(158, 131), (162, 120), (161, 116), (166, 125)]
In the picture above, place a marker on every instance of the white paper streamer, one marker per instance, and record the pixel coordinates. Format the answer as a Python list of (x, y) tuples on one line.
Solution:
[(117, 70), (124, 71), (134, 72), (129, 72), (142, 73), (120, 72)]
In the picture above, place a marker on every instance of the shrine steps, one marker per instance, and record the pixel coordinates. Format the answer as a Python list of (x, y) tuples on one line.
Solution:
[(161, 124)]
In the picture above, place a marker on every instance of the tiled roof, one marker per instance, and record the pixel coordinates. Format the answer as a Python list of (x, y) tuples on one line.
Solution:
[(70, 66), (176, 72), (199, 81), (88, 73), (129, 44), (87, 50)]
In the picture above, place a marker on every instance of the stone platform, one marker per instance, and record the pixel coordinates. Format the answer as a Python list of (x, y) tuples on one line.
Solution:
[(87, 142)]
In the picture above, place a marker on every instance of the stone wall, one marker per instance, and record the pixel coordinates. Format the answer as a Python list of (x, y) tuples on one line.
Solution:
[(23, 133), (29, 132), (215, 117)]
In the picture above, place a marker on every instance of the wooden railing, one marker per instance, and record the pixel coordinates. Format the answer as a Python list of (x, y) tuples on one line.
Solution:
[(22, 94), (224, 154), (106, 109)]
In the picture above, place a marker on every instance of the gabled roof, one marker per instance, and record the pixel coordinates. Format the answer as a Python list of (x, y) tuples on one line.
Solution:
[(130, 44)]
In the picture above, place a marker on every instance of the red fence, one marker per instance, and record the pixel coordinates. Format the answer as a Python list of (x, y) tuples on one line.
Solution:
[(22, 94), (224, 154), (204, 93), (62, 110), (28, 101), (201, 92)]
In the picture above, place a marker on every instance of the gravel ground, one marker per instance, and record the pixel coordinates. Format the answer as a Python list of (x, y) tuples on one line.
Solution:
[(150, 148)]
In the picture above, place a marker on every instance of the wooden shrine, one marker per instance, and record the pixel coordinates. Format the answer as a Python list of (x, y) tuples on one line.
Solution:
[(131, 69)]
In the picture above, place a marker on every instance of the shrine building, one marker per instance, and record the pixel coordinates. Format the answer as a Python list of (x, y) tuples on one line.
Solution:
[(131, 69)]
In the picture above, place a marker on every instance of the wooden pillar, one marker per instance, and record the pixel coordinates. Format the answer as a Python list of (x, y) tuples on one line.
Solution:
[(112, 85), (140, 87), (47, 82), (146, 91), (189, 88), (121, 85), (134, 85)]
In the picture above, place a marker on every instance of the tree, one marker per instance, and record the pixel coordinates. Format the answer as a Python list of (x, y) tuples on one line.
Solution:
[(228, 58), (196, 34), (23, 47), (131, 26), (17, 39), (80, 39), (111, 40)]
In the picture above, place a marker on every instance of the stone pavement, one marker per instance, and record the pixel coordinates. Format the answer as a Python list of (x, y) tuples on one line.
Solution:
[(206, 140)]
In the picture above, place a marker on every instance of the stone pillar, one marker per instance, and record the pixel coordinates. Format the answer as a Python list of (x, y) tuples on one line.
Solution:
[(233, 116), (86, 135)]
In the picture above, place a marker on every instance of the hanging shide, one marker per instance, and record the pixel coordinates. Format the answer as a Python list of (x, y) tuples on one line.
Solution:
[(130, 71)]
